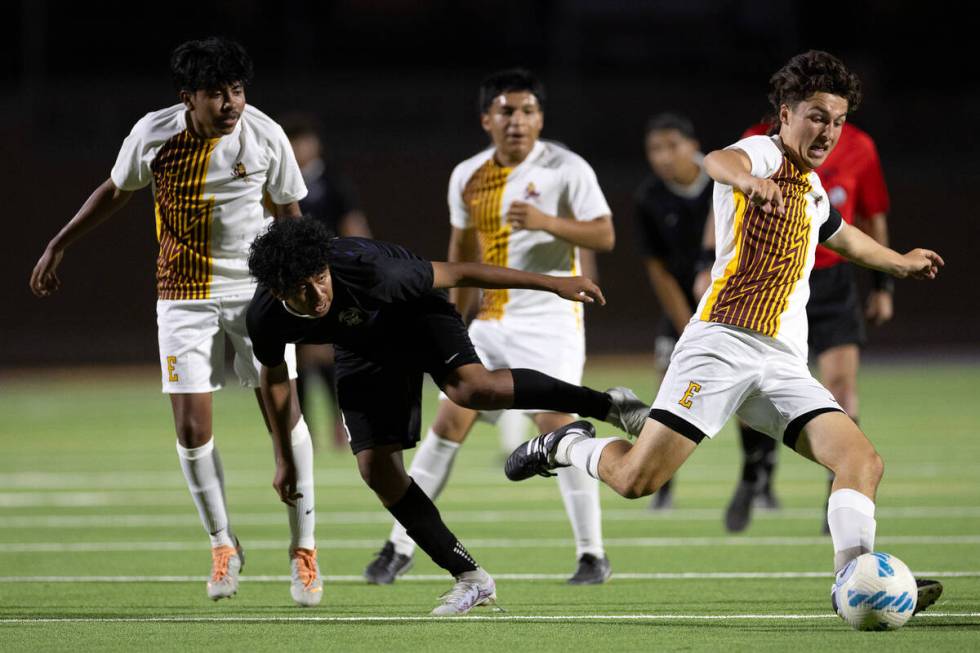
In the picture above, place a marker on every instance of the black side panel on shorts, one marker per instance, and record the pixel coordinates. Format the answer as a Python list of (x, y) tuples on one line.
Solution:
[(679, 424), (794, 428)]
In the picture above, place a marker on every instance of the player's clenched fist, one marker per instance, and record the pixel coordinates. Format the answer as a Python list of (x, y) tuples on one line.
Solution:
[(764, 193), (44, 278), (522, 215)]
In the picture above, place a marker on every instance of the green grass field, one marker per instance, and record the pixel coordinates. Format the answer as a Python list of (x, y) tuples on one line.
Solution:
[(100, 547)]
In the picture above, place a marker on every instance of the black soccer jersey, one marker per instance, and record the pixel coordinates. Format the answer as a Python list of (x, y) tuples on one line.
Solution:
[(378, 288), (670, 226)]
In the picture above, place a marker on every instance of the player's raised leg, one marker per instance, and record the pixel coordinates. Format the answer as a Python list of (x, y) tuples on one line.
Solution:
[(430, 469), (474, 386), (632, 470)]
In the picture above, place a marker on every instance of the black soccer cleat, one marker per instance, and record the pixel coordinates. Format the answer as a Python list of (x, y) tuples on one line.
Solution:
[(537, 455), (739, 511), (591, 570), (929, 593), (387, 566)]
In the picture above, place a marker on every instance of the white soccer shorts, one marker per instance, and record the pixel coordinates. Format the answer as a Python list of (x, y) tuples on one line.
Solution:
[(192, 344), (719, 370), (555, 347)]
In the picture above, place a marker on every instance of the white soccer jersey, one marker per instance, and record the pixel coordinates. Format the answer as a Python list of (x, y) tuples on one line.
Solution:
[(760, 278), (207, 196), (554, 179)]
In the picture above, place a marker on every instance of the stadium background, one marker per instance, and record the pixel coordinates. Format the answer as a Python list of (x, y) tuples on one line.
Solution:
[(394, 84)]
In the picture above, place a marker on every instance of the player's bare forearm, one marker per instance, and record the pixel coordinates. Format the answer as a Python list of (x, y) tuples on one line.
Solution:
[(876, 226), (729, 167), (478, 275), (464, 247), (853, 244), (100, 205), (597, 235), (669, 293), (277, 397), (734, 168)]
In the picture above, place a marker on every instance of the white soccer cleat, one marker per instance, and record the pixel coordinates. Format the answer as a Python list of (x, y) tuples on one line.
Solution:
[(472, 589), (628, 413), (307, 583), (226, 563)]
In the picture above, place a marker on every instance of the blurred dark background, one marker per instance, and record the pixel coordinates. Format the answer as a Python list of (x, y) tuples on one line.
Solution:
[(394, 84)]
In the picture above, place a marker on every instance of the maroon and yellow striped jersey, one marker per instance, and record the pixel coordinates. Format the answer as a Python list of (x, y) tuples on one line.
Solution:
[(208, 196)]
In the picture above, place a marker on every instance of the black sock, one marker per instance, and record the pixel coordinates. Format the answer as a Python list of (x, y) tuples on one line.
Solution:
[(420, 517), (759, 456), (533, 389)]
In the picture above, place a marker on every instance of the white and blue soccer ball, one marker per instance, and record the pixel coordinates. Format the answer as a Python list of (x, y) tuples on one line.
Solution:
[(875, 591)]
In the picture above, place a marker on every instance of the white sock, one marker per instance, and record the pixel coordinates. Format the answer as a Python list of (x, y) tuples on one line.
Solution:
[(512, 427), (582, 453), (430, 470), (205, 480), (302, 516), (851, 517), (580, 493)]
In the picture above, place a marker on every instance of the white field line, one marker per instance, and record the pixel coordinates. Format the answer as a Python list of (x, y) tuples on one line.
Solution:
[(348, 477), (467, 618), (478, 543), (427, 578), (379, 516)]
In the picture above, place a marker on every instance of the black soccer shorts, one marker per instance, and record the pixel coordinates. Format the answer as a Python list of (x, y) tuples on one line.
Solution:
[(380, 396), (834, 310)]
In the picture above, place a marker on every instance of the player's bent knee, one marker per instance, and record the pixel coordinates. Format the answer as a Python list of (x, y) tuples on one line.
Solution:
[(478, 394)]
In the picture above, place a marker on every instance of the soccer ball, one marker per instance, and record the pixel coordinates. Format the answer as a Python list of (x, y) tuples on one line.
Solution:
[(875, 591)]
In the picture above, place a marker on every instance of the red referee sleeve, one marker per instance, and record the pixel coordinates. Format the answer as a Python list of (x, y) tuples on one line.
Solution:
[(872, 193)]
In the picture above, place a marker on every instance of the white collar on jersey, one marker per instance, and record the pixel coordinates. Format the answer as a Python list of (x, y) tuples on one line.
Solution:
[(292, 312), (693, 189)]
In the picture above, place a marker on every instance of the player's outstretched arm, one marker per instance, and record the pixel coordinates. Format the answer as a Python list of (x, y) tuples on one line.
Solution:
[(478, 275), (277, 397), (106, 200), (733, 168), (851, 243)]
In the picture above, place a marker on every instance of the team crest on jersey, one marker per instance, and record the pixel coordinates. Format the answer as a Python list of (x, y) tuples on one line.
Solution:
[(351, 317), (531, 192), (239, 171)]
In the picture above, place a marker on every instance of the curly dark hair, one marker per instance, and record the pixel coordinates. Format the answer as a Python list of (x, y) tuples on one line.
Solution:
[(289, 252), (506, 81), (209, 64), (812, 72)]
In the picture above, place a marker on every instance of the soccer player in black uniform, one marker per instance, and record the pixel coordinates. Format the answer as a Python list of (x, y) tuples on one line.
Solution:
[(672, 205), (384, 310)]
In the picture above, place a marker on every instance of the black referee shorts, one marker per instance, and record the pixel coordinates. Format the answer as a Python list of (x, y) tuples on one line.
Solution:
[(834, 310), (380, 394)]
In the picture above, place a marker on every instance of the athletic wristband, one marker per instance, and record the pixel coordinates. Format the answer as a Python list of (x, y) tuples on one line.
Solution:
[(882, 281), (705, 260)]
